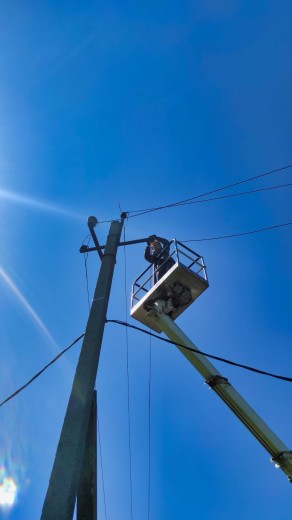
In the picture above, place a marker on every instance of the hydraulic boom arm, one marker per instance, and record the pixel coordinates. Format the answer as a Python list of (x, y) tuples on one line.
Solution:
[(281, 455)]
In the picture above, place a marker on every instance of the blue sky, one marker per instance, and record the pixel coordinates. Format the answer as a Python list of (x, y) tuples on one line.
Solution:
[(109, 105)]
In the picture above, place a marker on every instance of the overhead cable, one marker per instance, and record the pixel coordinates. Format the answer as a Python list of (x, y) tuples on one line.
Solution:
[(139, 212), (128, 383), (223, 360), (236, 194), (149, 428), (41, 371), (86, 270), (237, 234), (101, 466)]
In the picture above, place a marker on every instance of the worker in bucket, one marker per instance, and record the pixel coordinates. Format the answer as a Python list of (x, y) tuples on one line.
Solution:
[(157, 253)]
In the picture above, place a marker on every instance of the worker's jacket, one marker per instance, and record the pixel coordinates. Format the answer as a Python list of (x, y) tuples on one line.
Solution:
[(159, 258)]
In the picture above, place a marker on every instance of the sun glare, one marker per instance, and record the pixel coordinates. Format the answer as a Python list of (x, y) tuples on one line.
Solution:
[(36, 204), (8, 489)]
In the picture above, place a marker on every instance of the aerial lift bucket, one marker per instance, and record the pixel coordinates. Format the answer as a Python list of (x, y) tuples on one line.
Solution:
[(184, 282)]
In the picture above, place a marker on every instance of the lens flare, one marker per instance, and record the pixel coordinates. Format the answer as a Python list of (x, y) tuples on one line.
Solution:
[(54, 347), (32, 313), (8, 489)]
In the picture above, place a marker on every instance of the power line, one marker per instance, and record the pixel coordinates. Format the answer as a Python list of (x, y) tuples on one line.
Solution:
[(119, 322), (139, 212), (149, 429), (41, 371), (128, 382), (237, 234), (223, 360), (236, 194), (86, 270), (101, 466)]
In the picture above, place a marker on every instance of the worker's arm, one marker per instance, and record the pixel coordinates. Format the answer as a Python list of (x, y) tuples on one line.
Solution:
[(164, 244), (148, 256)]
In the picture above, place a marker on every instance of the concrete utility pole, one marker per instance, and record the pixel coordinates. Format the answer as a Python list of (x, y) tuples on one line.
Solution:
[(64, 482)]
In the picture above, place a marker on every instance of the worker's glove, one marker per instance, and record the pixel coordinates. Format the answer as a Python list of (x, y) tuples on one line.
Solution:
[(151, 239)]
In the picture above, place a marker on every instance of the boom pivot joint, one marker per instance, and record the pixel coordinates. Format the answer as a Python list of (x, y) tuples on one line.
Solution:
[(160, 307), (284, 458)]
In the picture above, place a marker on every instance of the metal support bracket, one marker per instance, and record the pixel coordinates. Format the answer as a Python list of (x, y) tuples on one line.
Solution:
[(282, 459), (216, 381), (85, 249), (91, 222), (163, 306)]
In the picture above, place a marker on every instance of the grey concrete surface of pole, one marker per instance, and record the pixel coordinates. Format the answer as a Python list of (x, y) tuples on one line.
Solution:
[(87, 489), (63, 486)]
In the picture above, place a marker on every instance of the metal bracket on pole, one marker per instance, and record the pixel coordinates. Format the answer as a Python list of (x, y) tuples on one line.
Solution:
[(85, 249), (217, 380), (91, 222)]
